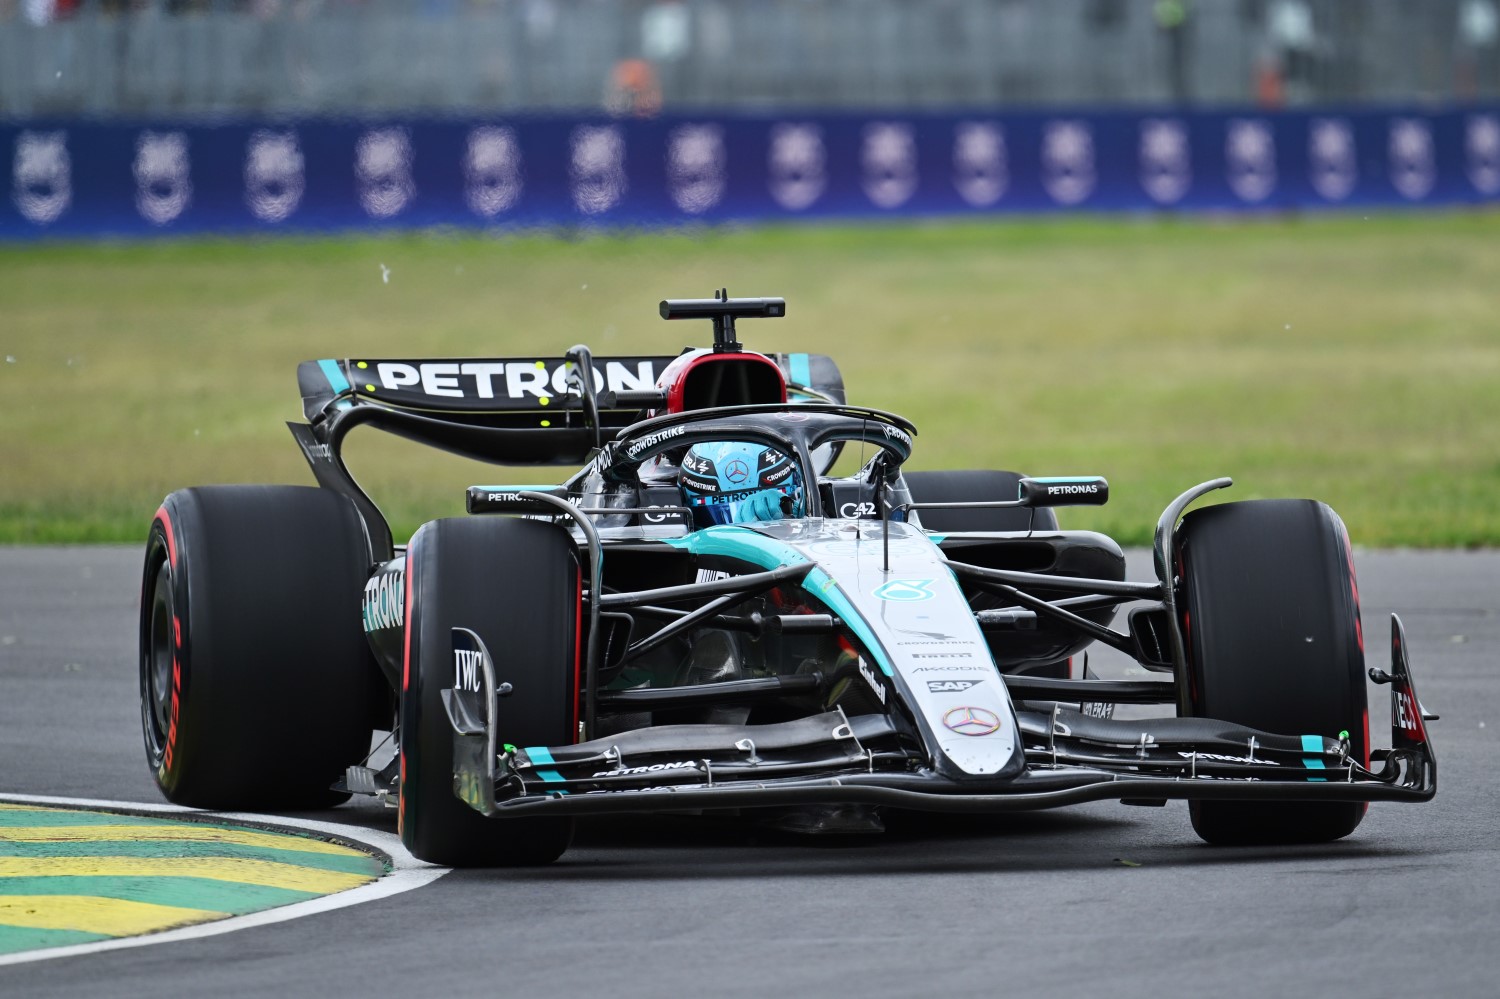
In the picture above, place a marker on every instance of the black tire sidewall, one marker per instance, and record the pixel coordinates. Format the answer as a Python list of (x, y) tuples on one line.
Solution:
[(515, 583), (1274, 642), (275, 682)]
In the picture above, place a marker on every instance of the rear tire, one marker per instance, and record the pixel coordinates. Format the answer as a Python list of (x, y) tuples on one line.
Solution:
[(516, 584), (1271, 623), (257, 685)]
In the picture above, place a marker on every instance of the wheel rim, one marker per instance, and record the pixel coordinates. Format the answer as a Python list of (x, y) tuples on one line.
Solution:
[(156, 668)]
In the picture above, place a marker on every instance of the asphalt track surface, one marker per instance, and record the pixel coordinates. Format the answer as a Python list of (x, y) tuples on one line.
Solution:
[(1099, 900)]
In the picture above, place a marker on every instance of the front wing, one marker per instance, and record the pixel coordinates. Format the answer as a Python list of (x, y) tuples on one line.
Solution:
[(831, 758)]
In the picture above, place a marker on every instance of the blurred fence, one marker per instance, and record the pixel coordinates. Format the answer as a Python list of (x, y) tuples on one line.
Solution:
[(75, 178), (334, 57)]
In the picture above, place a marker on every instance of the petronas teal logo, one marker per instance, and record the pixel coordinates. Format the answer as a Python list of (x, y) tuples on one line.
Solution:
[(906, 590)]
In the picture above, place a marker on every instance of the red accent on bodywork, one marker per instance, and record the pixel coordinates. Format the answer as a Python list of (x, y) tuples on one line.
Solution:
[(674, 378)]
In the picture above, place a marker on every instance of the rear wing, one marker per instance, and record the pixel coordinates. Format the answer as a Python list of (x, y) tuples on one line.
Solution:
[(521, 392), (504, 411)]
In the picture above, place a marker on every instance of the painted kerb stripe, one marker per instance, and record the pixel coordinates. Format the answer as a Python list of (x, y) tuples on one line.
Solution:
[(119, 879), (79, 881)]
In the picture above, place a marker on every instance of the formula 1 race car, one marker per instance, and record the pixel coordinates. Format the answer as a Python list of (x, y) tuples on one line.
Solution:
[(705, 618)]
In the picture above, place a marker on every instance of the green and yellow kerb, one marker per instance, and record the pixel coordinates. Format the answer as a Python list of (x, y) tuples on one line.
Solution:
[(69, 876)]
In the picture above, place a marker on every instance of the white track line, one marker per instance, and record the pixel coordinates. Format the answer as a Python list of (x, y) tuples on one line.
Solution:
[(407, 873)]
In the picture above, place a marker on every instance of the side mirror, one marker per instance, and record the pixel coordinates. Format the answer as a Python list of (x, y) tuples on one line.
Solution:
[(1084, 490), (507, 499)]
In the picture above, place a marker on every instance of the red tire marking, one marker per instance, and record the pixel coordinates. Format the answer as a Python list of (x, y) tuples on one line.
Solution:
[(166, 520), (166, 760), (411, 567), (406, 620)]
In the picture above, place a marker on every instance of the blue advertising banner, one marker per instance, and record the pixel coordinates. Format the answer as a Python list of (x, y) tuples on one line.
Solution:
[(88, 179)]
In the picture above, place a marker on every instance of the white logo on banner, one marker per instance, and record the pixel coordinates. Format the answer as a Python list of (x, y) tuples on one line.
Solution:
[(274, 178), (889, 163), (1333, 165), (492, 170), (1412, 168), (1250, 154), (1068, 161), (1482, 143), (1166, 164), (697, 167), (796, 162), (980, 170), (163, 178), (382, 170), (42, 177), (598, 168)]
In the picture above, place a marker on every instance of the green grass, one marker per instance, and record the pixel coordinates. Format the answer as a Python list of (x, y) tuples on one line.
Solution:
[(1350, 359)]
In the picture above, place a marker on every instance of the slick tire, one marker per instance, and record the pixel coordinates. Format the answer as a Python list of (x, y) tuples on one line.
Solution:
[(257, 685), (973, 486), (1270, 618), (516, 584)]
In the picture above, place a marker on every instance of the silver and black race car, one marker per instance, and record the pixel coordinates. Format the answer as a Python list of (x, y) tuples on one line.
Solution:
[(705, 618)]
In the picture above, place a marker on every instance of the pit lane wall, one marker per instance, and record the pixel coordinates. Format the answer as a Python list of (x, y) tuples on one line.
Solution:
[(85, 178)]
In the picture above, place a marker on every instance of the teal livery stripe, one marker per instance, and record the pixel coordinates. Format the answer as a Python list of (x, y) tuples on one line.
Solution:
[(210, 894), (1313, 744), (541, 757), (335, 376), (801, 369), (768, 553)]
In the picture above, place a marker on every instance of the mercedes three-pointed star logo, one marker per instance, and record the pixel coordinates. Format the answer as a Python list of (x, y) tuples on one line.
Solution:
[(972, 721)]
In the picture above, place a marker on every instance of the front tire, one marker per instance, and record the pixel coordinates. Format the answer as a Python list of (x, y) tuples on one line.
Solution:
[(257, 685), (516, 584), (1270, 617)]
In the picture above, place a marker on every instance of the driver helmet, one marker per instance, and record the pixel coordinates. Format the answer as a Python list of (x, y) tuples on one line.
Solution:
[(734, 482)]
